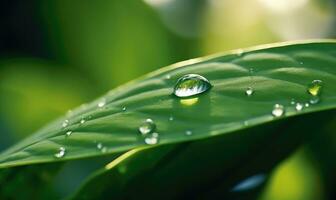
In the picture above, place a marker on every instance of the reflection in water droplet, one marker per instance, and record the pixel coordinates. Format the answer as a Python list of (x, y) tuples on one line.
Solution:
[(315, 87), (82, 121), (102, 103), (68, 133), (250, 183), (148, 126), (249, 91), (298, 106), (189, 102), (65, 123), (188, 132), (190, 85), (152, 139), (171, 118), (278, 110), (60, 153), (314, 100), (124, 108)]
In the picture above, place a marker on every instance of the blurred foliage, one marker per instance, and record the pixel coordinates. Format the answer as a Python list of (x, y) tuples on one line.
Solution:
[(55, 55)]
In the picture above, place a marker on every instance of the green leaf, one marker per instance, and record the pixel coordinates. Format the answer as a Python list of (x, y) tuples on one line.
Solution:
[(280, 73), (206, 169)]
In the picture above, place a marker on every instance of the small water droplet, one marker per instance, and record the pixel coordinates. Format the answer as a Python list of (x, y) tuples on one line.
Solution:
[(171, 118), (188, 132), (99, 145), (124, 108), (168, 77), (315, 87), (152, 139), (60, 153), (191, 85), (104, 150), (82, 121), (301, 63), (278, 110), (292, 101), (65, 123), (314, 100), (249, 91), (306, 105), (298, 106), (68, 133), (102, 103), (148, 126)]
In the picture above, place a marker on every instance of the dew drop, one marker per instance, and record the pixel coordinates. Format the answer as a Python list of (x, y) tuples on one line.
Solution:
[(292, 101), (68, 133), (102, 103), (298, 106), (191, 85), (148, 126), (152, 139), (188, 132), (249, 91), (99, 145), (315, 87), (65, 123), (124, 108), (60, 153), (278, 110), (171, 118), (82, 121), (306, 105), (168, 77), (104, 150)]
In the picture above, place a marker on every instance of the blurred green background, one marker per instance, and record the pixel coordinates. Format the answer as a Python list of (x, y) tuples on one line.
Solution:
[(56, 55)]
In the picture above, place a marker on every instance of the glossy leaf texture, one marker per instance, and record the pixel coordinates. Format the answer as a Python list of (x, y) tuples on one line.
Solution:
[(212, 168), (277, 73)]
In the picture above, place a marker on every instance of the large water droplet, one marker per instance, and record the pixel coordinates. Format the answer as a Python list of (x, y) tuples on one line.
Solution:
[(278, 110), (152, 139), (315, 87), (148, 126), (249, 91), (298, 106), (190, 85), (60, 153)]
